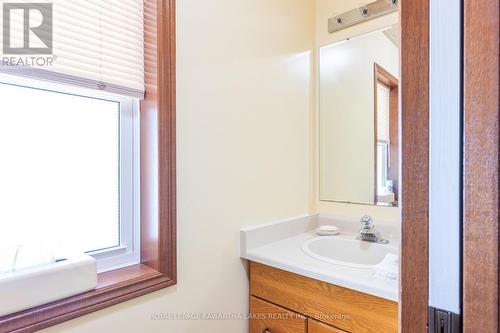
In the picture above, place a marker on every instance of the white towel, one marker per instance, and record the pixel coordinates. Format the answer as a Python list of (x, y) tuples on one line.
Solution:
[(388, 268)]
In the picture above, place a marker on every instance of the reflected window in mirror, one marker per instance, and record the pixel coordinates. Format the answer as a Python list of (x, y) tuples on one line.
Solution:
[(386, 137)]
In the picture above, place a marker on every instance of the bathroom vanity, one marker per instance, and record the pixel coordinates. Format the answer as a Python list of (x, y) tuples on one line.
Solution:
[(294, 287), (314, 306)]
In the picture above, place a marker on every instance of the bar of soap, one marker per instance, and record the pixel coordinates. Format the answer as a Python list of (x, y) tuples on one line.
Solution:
[(327, 230)]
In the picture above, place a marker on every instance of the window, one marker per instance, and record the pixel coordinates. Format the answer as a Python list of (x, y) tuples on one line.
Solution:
[(111, 58), (73, 156), (71, 106)]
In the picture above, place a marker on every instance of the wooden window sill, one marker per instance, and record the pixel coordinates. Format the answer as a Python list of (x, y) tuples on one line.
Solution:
[(125, 275), (113, 287)]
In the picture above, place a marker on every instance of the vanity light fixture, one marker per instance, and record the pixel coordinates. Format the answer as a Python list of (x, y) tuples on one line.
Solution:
[(362, 14)]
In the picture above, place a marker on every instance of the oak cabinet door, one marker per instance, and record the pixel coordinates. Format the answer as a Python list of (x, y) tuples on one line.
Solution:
[(314, 326), (269, 318), (349, 310)]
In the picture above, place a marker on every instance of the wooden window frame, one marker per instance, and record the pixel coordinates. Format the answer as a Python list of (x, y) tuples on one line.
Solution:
[(157, 269), (387, 79)]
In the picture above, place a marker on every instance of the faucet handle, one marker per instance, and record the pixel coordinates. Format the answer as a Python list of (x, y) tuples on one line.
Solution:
[(367, 222)]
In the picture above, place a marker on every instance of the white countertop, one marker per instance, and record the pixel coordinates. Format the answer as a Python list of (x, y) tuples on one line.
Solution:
[(279, 245)]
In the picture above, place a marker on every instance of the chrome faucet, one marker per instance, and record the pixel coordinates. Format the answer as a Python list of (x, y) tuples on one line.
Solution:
[(368, 233)]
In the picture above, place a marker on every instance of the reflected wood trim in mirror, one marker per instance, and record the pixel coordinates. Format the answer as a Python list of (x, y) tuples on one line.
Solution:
[(387, 79), (382, 75)]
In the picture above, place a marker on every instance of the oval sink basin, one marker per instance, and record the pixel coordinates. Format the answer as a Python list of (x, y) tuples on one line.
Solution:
[(349, 252)]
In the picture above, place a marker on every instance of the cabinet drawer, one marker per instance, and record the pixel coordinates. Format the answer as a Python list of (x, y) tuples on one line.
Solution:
[(314, 326), (269, 318)]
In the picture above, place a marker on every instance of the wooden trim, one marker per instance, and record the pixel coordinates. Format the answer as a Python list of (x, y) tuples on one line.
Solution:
[(481, 166), (167, 139), (158, 251), (383, 76), (414, 86)]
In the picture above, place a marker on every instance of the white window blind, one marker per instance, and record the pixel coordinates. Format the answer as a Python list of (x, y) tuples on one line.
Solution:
[(96, 44), (383, 93)]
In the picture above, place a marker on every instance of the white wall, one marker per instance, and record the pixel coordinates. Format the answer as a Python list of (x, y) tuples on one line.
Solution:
[(244, 108), (324, 10)]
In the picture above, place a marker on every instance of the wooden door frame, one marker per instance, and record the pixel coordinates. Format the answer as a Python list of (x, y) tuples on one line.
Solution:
[(481, 167), (414, 87)]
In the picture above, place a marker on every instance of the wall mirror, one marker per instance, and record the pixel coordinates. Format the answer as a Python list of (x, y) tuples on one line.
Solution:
[(358, 119)]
